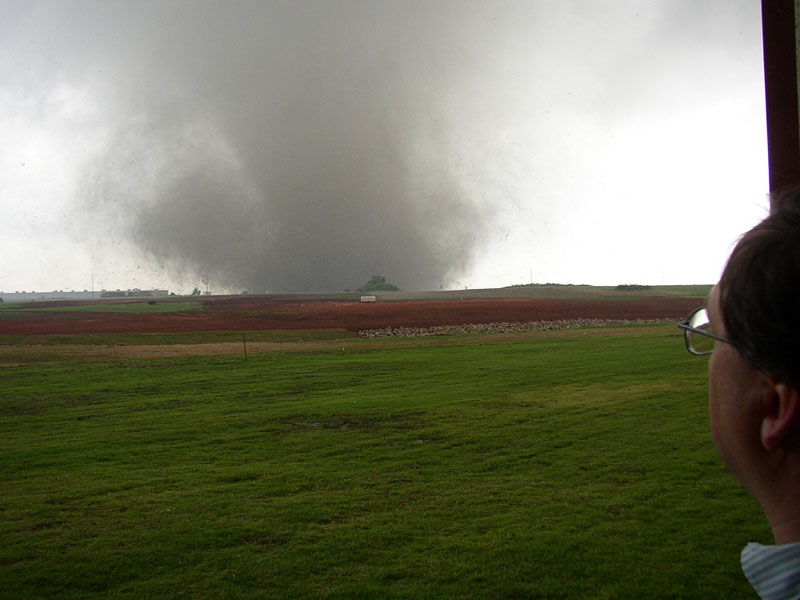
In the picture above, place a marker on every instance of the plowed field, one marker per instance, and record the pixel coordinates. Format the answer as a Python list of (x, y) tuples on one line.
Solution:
[(250, 314)]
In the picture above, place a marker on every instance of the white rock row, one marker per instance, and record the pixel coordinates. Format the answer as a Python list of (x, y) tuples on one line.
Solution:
[(501, 327)]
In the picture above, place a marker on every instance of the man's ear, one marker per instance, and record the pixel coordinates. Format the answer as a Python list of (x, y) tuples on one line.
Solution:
[(782, 415)]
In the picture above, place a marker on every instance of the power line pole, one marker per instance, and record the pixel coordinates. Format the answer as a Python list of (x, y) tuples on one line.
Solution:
[(778, 18)]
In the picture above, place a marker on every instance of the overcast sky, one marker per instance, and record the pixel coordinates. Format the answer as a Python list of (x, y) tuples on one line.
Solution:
[(307, 145)]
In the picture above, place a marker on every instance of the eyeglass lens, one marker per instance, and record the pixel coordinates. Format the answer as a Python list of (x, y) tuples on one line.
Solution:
[(701, 344)]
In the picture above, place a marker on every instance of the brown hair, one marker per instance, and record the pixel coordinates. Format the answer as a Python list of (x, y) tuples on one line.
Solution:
[(760, 292)]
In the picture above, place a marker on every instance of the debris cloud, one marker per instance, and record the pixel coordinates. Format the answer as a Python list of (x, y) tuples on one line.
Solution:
[(298, 146)]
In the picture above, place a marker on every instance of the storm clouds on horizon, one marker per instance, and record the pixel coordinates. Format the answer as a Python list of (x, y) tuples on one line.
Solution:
[(306, 145), (281, 146)]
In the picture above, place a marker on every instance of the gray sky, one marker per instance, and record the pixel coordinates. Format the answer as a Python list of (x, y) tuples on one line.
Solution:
[(307, 145)]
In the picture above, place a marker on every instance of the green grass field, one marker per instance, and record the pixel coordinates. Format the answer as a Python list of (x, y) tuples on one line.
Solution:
[(166, 339), (20, 310), (574, 464)]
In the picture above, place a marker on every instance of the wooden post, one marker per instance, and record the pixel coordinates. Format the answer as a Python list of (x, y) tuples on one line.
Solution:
[(780, 80)]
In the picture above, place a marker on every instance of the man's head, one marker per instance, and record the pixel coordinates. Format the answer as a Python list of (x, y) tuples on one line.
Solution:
[(754, 376), (759, 295)]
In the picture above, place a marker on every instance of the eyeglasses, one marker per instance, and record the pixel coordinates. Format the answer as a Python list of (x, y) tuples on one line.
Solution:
[(699, 336)]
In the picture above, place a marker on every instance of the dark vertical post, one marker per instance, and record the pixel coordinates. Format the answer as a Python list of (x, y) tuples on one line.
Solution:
[(780, 79)]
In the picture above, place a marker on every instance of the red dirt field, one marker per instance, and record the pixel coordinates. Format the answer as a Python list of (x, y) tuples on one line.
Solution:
[(248, 314)]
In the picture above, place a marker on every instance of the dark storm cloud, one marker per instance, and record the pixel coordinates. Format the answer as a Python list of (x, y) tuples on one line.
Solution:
[(283, 146), (307, 145)]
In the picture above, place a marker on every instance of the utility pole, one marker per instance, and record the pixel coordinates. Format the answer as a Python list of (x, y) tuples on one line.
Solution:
[(778, 18)]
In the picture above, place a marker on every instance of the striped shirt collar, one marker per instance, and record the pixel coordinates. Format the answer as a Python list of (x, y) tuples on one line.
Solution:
[(773, 571)]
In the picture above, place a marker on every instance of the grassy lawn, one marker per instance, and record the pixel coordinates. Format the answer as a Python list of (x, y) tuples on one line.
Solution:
[(166, 339), (564, 465)]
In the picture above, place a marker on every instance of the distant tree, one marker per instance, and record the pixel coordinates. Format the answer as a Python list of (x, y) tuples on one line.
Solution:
[(632, 287), (377, 283), (196, 292)]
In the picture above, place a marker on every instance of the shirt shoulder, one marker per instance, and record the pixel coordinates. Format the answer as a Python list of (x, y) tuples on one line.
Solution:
[(773, 571)]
